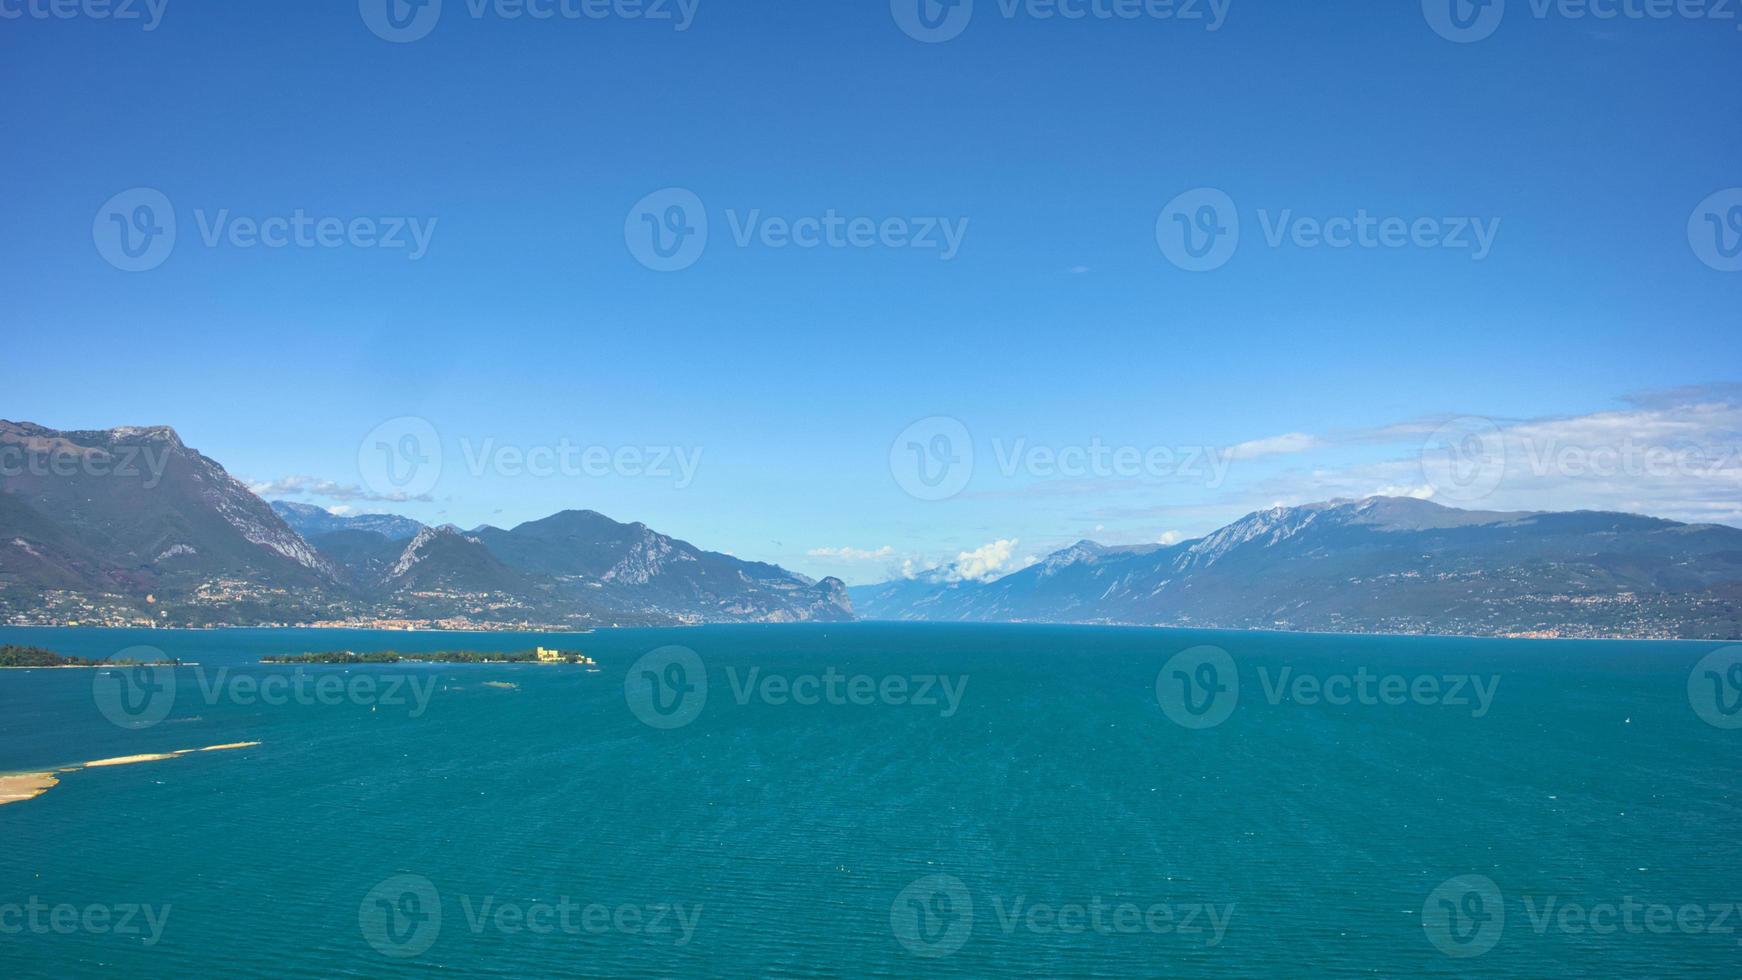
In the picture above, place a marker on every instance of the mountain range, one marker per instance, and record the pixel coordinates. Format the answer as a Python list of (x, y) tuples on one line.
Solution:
[(1381, 564), (129, 525)]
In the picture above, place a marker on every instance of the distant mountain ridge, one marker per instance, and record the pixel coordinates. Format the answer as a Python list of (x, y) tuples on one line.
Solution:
[(310, 521), (129, 525), (1382, 564)]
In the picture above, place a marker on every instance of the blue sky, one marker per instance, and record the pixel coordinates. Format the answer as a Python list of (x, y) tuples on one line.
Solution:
[(523, 148)]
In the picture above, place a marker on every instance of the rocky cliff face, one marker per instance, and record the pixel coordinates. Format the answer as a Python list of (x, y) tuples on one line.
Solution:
[(133, 508)]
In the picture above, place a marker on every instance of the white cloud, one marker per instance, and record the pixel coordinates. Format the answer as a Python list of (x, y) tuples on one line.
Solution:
[(292, 486), (852, 554), (982, 564), (1423, 491), (1170, 537), (1670, 454), (987, 562), (1289, 442), (911, 569)]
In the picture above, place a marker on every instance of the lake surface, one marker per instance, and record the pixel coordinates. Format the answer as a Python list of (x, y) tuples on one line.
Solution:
[(879, 800)]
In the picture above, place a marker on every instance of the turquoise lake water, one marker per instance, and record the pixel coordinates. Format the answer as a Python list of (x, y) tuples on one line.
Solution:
[(879, 800)]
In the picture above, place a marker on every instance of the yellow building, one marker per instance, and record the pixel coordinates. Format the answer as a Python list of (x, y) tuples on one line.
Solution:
[(549, 656)]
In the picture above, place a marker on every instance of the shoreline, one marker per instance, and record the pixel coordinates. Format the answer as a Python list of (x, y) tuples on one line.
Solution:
[(17, 787), (179, 663), (864, 622)]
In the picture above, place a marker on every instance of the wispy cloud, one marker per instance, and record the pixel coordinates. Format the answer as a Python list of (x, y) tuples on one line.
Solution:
[(852, 554), (1672, 453), (309, 486), (1675, 454), (1290, 442)]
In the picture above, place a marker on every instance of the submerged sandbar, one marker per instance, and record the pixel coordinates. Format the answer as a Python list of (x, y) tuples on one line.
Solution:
[(17, 787)]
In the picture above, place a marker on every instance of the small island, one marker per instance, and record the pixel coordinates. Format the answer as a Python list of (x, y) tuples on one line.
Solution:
[(537, 655), (13, 655)]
